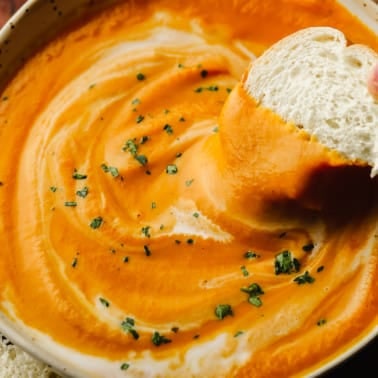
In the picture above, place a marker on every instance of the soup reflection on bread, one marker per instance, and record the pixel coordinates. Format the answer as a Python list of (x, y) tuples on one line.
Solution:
[(158, 217)]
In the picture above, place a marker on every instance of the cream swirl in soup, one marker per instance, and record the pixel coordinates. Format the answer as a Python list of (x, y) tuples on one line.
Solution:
[(135, 239)]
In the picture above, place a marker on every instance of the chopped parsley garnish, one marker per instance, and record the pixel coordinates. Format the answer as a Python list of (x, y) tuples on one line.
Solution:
[(223, 310), (70, 203), (139, 119), (112, 170), (142, 159), (320, 269), (171, 169), (182, 119), (304, 278), (143, 139), (153, 205), (285, 263), (130, 146), (210, 88), (126, 259), (228, 90), (215, 129), (204, 73), (244, 271), (125, 366), (92, 86), (104, 302), (254, 291), (196, 215), (140, 76), (147, 250), (74, 262), (158, 339), (96, 222), (136, 101), (78, 176), (53, 189), (308, 247), (175, 329), (251, 255), (179, 154), (180, 65), (82, 192), (128, 326), (168, 129), (238, 333), (321, 322), (190, 241), (146, 231)]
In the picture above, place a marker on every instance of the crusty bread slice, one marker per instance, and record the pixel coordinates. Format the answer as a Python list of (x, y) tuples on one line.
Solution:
[(313, 79)]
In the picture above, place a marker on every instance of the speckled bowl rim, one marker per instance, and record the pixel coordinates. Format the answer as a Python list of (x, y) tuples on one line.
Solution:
[(18, 42)]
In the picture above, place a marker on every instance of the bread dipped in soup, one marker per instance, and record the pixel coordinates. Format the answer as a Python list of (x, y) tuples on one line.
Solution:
[(173, 206)]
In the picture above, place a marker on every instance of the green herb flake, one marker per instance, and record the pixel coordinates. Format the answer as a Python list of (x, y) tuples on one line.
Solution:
[(146, 231), (179, 154), (255, 301), (112, 170), (126, 259), (136, 101), (308, 247), (320, 268), (140, 76), (96, 223), (204, 73), (143, 139), (216, 129), (304, 278), (53, 189), (249, 255), (139, 119), (199, 89), (153, 205), (223, 310), (82, 192), (180, 65), (104, 302), (70, 203), (175, 329), (166, 111), (125, 366), (321, 322), (244, 271), (182, 119), (74, 262), (141, 159), (147, 250), (78, 176), (190, 241), (228, 90), (158, 339), (168, 129), (238, 333), (196, 215), (131, 147), (127, 325), (171, 169), (92, 86), (254, 291), (285, 264)]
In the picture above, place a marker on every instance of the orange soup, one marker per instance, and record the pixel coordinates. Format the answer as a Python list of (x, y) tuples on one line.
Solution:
[(138, 225)]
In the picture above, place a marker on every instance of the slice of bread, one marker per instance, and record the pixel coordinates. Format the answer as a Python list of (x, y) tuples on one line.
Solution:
[(15, 363), (313, 79)]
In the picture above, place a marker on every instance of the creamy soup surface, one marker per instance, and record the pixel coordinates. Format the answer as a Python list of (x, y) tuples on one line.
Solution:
[(135, 228)]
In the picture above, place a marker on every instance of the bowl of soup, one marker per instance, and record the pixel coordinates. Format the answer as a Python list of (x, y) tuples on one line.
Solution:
[(126, 247)]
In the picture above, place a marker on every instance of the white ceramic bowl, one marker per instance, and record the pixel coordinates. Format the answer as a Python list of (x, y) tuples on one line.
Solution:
[(37, 22)]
